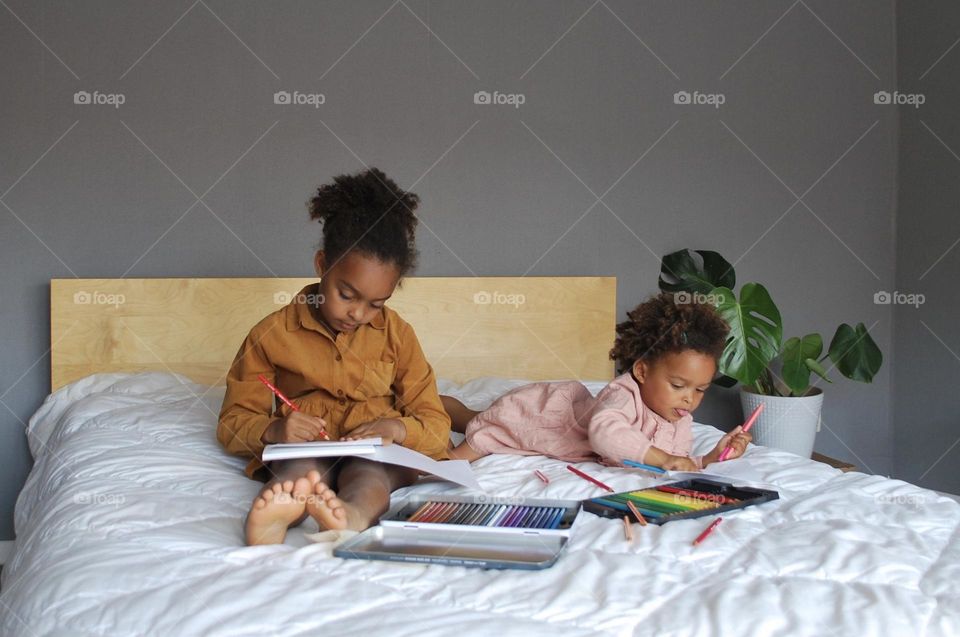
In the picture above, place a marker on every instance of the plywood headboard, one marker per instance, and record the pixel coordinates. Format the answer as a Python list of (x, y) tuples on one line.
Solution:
[(535, 328)]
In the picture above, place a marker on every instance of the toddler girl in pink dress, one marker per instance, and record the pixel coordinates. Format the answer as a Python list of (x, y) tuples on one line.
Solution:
[(667, 354)]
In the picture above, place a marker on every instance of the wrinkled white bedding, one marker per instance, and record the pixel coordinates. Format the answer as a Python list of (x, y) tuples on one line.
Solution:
[(130, 524)]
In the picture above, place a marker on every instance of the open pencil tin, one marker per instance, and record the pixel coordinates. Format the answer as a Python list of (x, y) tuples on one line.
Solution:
[(682, 500), (481, 532)]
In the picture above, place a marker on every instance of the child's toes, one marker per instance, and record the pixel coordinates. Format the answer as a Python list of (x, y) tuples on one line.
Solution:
[(326, 494), (336, 506), (301, 487), (313, 476), (329, 496), (328, 517)]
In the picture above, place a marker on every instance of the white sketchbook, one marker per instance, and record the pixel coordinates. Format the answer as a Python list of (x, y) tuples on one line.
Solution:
[(457, 471)]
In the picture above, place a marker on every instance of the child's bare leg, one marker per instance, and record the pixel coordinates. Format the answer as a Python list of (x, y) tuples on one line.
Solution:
[(363, 494), (463, 451), (282, 501), (459, 413)]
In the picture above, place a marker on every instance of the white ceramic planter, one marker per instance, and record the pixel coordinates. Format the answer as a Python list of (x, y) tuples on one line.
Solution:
[(790, 424)]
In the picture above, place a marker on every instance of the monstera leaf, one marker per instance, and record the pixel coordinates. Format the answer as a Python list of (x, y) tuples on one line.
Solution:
[(855, 353), (756, 331), (800, 357), (680, 271)]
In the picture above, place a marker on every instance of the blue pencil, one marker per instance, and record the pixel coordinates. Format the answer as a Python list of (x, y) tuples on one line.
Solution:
[(640, 465)]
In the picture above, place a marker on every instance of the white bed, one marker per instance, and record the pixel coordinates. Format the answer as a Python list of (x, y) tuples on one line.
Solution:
[(130, 524)]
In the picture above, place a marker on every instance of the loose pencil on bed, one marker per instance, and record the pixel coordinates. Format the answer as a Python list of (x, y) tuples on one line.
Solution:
[(707, 531), (286, 401), (627, 531), (633, 509), (542, 476), (645, 467), (589, 478)]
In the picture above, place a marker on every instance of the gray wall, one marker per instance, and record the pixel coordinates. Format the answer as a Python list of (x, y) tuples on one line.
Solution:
[(927, 344), (112, 196)]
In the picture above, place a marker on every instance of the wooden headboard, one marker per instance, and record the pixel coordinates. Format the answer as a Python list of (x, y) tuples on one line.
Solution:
[(535, 328)]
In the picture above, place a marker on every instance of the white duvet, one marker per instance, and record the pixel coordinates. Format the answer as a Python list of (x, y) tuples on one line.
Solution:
[(130, 524)]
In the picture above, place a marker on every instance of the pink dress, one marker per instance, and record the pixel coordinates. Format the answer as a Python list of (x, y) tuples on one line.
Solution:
[(564, 421)]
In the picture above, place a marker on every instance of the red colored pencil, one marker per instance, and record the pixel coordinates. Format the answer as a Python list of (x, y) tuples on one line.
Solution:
[(707, 531), (286, 401), (588, 478)]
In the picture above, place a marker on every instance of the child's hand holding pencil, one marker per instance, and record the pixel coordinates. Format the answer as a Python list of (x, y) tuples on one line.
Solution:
[(736, 441), (732, 445), (296, 426)]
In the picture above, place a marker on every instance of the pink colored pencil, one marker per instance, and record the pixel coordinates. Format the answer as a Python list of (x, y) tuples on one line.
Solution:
[(707, 531), (542, 476), (746, 427), (589, 478), (286, 401)]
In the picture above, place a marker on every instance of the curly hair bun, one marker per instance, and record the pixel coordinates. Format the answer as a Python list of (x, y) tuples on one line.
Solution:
[(370, 213), (661, 325)]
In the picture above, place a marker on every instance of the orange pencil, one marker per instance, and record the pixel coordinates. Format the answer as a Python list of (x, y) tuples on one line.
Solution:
[(286, 401), (642, 520), (627, 531)]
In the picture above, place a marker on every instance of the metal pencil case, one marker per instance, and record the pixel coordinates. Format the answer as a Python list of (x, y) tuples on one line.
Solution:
[(480, 531)]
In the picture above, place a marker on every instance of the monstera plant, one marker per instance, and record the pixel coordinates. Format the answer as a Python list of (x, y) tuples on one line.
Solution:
[(756, 354), (756, 330)]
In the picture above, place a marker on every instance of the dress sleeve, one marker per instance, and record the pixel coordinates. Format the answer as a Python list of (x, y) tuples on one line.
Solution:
[(248, 403), (415, 387), (614, 429)]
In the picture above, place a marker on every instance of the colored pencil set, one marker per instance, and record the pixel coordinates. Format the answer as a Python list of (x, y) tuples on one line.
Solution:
[(655, 502), (678, 500), (489, 515)]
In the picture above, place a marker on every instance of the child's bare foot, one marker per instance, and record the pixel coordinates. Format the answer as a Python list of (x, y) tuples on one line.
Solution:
[(330, 512), (274, 510)]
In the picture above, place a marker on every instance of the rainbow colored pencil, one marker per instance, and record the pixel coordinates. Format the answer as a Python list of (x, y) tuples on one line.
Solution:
[(490, 515)]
